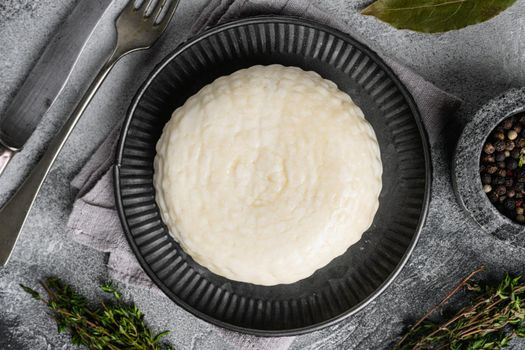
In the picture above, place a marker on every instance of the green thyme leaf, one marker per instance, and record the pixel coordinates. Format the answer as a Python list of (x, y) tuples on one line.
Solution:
[(494, 314), (34, 294), (110, 289), (112, 325)]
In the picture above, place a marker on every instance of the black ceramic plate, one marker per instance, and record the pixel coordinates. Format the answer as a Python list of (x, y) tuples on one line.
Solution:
[(350, 281)]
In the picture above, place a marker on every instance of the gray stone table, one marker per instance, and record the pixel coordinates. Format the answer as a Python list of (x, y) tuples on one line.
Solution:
[(475, 63)]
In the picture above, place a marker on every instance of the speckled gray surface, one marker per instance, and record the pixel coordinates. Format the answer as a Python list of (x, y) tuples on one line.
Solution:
[(475, 63), (465, 166)]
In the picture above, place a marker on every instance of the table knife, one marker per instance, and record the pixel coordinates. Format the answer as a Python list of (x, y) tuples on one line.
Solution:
[(48, 77)]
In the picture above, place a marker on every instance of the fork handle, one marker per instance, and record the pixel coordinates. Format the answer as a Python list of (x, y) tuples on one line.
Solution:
[(14, 213)]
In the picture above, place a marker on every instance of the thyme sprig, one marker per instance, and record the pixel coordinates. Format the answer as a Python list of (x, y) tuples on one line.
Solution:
[(495, 315), (113, 325)]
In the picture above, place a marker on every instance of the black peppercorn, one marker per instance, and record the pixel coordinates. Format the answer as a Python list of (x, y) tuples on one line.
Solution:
[(489, 148), (520, 187), (498, 157), (489, 158), (502, 166), (511, 163), (517, 128), (515, 153), (510, 193), (520, 174), (501, 199), (508, 182), (491, 169), (486, 179), (521, 142), (502, 172), (499, 135), (509, 204), (501, 190), (509, 145), (499, 180), (499, 145), (493, 197), (507, 123)]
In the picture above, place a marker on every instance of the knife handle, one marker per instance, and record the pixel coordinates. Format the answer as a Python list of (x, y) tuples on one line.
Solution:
[(14, 213)]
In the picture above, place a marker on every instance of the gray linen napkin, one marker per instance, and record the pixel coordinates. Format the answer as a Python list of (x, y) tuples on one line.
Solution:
[(94, 221)]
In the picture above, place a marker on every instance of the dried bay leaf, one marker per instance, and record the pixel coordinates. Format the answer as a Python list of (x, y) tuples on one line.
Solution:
[(432, 16)]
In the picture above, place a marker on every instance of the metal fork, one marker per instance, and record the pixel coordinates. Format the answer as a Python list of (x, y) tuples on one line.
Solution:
[(137, 29)]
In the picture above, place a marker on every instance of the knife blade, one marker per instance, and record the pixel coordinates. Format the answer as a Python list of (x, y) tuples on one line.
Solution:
[(48, 76)]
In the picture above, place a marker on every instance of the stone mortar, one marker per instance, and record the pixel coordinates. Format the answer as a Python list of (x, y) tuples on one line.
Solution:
[(466, 178)]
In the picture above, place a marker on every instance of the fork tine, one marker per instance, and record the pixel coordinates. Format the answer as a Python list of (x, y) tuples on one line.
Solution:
[(158, 9), (142, 5), (147, 9), (168, 14), (130, 6)]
